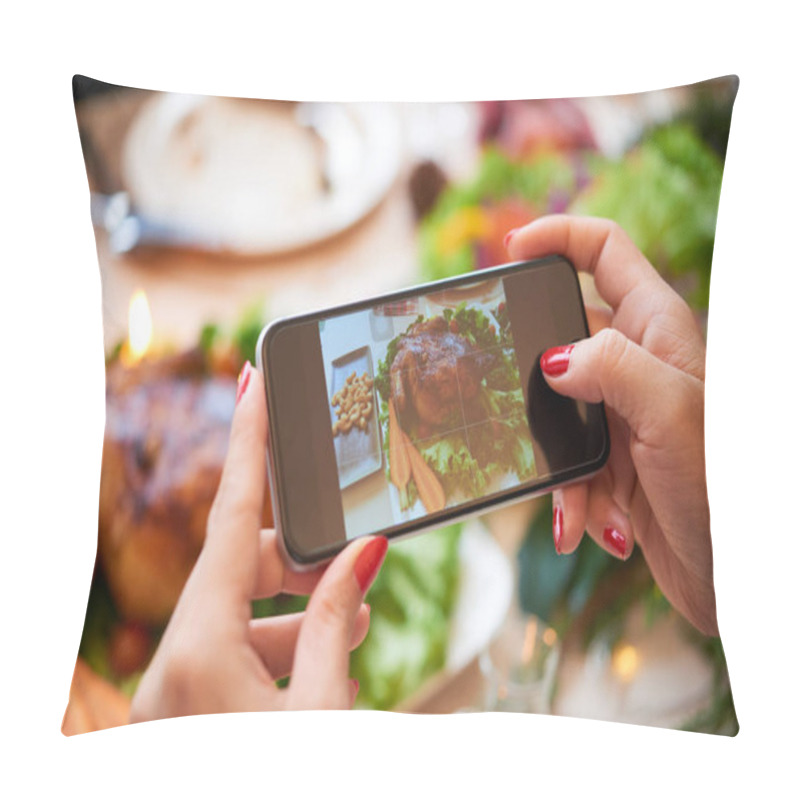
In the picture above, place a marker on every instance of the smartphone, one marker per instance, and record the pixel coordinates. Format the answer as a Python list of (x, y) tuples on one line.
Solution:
[(407, 412)]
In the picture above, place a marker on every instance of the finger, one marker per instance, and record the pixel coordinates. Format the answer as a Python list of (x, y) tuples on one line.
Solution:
[(625, 279), (597, 246), (274, 576), (321, 665), (651, 396), (569, 516), (275, 639), (606, 522), (230, 554)]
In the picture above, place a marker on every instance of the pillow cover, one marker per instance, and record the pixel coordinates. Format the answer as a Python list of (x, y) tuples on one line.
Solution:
[(214, 215)]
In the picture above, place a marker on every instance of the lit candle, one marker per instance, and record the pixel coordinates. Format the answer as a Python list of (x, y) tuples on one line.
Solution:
[(140, 329)]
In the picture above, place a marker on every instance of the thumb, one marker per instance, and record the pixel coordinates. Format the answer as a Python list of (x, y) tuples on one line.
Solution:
[(230, 554), (650, 395), (322, 656)]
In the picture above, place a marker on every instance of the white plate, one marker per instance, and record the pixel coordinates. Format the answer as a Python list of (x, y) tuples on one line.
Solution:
[(254, 176)]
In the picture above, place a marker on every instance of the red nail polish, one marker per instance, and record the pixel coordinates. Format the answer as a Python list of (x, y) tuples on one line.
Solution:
[(244, 379), (369, 562), (554, 362), (509, 236), (558, 527), (614, 539)]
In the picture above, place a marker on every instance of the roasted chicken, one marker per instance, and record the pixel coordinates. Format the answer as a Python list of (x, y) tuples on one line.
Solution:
[(164, 447), (437, 372), (166, 436)]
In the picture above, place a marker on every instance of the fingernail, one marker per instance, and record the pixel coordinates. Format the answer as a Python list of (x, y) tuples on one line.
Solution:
[(616, 541), (509, 236), (369, 562), (244, 379), (555, 361), (558, 527), (354, 687)]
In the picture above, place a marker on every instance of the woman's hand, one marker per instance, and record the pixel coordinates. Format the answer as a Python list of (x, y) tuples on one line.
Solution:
[(214, 656), (646, 362)]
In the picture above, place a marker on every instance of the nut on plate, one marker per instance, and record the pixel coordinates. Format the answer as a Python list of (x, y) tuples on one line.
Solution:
[(353, 404)]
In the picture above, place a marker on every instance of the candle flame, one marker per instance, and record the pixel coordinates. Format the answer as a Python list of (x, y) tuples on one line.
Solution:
[(140, 325)]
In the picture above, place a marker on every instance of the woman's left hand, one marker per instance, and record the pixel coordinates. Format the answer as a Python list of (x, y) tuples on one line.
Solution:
[(214, 657)]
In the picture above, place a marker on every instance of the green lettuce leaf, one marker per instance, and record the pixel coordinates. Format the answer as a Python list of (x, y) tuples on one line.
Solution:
[(412, 601)]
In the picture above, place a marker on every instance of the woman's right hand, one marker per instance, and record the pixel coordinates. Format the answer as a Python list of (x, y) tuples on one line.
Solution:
[(646, 362)]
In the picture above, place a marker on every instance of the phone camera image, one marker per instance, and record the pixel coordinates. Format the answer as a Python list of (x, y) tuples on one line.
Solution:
[(431, 414)]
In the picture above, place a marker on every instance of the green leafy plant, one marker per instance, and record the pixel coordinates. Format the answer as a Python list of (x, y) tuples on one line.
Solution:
[(665, 194)]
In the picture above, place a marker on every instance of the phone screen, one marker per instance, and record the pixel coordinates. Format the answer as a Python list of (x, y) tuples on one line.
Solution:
[(390, 415)]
